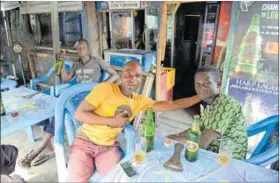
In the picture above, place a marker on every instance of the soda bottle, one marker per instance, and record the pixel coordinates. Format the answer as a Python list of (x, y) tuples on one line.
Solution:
[(249, 53), (193, 140), (3, 112), (149, 130)]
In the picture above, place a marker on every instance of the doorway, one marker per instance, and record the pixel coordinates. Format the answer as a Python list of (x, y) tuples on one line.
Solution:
[(189, 22)]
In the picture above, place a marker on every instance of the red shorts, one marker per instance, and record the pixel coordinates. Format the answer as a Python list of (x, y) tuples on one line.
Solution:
[(85, 156)]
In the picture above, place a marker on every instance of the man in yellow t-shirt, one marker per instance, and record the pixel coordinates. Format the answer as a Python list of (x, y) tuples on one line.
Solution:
[(104, 112)]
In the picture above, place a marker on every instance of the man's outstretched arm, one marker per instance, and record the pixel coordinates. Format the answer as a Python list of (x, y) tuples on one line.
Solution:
[(161, 106)]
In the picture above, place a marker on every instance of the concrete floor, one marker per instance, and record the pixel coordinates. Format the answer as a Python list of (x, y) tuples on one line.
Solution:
[(45, 172), (170, 123)]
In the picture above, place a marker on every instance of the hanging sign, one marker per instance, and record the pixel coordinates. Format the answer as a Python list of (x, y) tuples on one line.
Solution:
[(102, 6), (113, 5)]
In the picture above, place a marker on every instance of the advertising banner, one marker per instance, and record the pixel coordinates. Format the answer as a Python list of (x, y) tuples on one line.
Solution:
[(252, 62)]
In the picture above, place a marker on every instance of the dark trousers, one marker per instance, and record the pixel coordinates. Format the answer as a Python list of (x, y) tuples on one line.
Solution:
[(48, 125)]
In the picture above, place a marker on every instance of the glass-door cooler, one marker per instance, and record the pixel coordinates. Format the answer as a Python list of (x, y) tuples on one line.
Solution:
[(209, 34)]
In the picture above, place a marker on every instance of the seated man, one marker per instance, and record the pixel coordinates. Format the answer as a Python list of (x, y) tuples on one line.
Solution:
[(105, 112), (220, 114), (88, 69)]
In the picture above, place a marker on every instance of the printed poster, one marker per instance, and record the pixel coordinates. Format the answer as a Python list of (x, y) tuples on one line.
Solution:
[(254, 60)]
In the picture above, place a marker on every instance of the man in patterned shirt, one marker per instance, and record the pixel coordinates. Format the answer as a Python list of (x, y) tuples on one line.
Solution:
[(220, 115)]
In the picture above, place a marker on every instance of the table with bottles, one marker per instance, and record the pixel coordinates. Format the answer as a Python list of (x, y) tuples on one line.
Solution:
[(205, 169), (23, 108), (7, 84)]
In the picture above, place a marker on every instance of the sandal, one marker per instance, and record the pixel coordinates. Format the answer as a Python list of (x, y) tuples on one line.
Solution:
[(41, 159), (26, 161)]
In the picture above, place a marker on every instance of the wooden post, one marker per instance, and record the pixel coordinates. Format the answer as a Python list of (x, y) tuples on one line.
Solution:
[(93, 37), (161, 47), (100, 31), (55, 34), (32, 66), (173, 11), (7, 28)]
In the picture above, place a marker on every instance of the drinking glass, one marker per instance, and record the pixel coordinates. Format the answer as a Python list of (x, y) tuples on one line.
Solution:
[(225, 151), (14, 110), (139, 146)]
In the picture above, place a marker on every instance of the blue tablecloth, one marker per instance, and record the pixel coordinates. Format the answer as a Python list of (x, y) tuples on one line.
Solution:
[(205, 169), (31, 111), (6, 83)]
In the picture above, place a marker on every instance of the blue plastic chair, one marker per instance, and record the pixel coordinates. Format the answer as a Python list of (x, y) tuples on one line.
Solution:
[(66, 106), (55, 89), (267, 150)]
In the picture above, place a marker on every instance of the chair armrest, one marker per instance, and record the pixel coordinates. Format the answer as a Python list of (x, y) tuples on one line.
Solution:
[(129, 134), (56, 90), (266, 158), (262, 125), (34, 81)]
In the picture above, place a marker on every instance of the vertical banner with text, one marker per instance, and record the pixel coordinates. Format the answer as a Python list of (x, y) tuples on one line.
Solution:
[(254, 64)]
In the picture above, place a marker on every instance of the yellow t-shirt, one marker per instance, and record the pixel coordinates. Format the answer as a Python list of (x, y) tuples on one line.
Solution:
[(106, 98)]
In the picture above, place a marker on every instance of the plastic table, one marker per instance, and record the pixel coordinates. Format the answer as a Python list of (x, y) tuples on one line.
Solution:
[(205, 169), (31, 111), (6, 83)]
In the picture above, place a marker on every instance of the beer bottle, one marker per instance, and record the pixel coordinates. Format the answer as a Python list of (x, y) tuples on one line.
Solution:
[(3, 112), (249, 53), (59, 64), (149, 130), (193, 140)]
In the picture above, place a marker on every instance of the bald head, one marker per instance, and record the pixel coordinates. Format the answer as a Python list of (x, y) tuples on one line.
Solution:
[(132, 64), (131, 76)]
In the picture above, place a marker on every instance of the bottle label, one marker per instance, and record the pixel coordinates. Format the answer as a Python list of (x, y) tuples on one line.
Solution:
[(192, 146)]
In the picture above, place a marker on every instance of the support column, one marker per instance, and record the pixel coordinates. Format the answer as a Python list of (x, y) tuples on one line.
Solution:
[(161, 46), (93, 38), (55, 34)]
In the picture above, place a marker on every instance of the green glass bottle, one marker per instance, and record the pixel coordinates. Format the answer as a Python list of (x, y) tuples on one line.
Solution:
[(3, 112), (59, 64), (193, 140), (249, 53), (149, 130)]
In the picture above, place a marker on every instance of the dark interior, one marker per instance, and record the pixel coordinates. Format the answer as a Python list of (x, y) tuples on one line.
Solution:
[(189, 19)]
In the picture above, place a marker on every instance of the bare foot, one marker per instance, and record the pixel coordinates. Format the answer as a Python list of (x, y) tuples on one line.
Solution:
[(28, 158), (42, 157)]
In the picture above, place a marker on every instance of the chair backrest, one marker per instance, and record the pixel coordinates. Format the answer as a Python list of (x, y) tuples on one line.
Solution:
[(68, 65), (104, 75), (270, 139), (65, 109)]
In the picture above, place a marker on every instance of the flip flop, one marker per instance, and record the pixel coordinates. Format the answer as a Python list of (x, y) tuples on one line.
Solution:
[(24, 161), (41, 159)]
